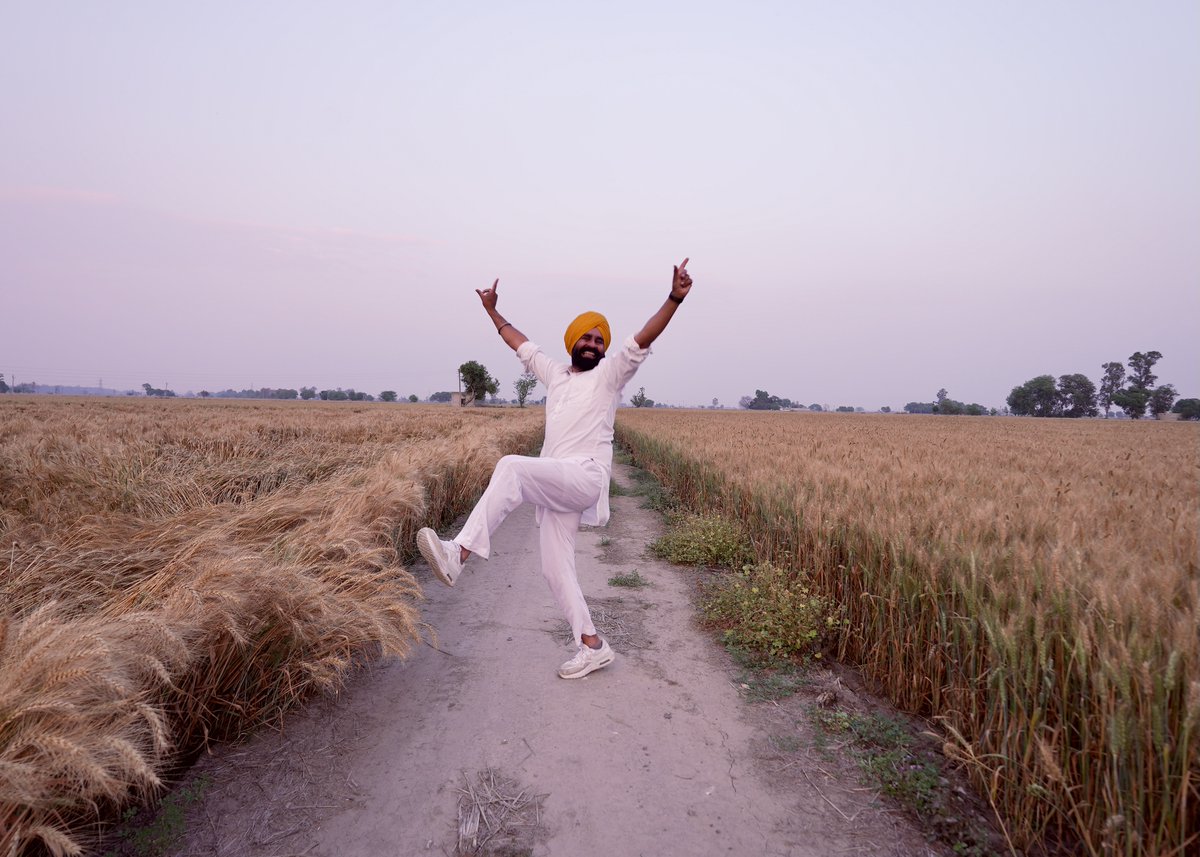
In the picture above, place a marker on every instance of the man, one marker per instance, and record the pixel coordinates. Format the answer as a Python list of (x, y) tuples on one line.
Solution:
[(569, 482)]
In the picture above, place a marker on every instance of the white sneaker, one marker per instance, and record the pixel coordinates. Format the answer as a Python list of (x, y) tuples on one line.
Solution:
[(587, 660), (445, 558)]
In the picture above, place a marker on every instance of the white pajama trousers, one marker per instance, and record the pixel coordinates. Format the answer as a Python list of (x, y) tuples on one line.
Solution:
[(563, 489)]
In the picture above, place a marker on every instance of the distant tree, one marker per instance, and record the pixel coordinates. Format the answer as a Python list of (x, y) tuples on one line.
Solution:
[(640, 400), (763, 401), (441, 396), (158, 393), (1077, 396), (1037, 397), (1133, 401), (477, 383), (885, 410), (307, 393), (1140, 365), (413, 398), (204, 394), (815, 408), (1140, 392), (387, 396), (845, 409), (952, 407), (1161, 399), (716, 403), (1114, 377), (920, 407), (3, 386), (523, 386), (1188, 409)]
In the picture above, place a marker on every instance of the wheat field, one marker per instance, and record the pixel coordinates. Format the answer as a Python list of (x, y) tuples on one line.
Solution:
[(178, 572), (1033, 585)]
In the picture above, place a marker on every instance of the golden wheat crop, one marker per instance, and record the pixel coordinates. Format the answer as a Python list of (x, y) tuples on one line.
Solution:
[(1034, 584), (176, 572)]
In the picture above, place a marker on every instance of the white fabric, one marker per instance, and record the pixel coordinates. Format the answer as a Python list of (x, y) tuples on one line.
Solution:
[(561, 489), (581, 407), (569, 482)]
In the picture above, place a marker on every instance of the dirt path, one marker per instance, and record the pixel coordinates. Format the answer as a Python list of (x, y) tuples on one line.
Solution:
[(655, 755)]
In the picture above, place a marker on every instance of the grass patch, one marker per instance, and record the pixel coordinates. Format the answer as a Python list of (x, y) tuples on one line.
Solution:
[(884, 750), (633, 580), (707, 540), (654, 494), (771, 685), (156, 832), (769, 610), (615, 490), (785, 743)]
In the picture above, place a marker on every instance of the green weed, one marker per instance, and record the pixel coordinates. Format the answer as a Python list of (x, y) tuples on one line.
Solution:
[(770, 610), (633, 580), (154, 833), (706, 540)]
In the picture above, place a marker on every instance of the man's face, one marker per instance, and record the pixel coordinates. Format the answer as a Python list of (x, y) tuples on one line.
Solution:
[(588, 351)]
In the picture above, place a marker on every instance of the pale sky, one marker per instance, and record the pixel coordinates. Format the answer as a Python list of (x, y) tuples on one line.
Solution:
[(878, 199)]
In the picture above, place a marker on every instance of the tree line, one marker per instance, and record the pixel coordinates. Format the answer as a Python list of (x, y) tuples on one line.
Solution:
[(1134, 391)]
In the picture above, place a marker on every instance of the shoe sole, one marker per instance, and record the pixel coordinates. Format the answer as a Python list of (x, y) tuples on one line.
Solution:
[(431, 548), (591, 668)]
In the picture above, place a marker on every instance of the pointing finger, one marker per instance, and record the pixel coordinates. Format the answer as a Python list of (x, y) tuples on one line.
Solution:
[(683, 264)]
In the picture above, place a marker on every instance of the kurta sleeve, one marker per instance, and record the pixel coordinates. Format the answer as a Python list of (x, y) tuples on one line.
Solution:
[(535, 360), (624, 362)]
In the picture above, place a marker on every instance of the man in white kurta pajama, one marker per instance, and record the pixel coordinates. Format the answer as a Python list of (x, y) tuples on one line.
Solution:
[(569, 482)]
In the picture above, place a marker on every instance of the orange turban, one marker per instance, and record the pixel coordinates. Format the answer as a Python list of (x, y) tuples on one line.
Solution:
[(582, 324)]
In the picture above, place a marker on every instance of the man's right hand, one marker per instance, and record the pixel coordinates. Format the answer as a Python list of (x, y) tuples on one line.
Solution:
[(488, 296)]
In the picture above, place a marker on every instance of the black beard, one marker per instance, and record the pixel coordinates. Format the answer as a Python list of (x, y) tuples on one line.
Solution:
[(586, 364)]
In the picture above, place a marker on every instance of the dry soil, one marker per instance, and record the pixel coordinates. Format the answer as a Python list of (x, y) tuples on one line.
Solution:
[(474, 745)]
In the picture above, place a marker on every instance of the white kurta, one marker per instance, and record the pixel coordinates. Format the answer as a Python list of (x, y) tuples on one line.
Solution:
[(581, 407), (568, 484)]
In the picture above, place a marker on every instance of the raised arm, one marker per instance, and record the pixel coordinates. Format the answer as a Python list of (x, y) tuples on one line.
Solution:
[(513, 337), (681, 284)]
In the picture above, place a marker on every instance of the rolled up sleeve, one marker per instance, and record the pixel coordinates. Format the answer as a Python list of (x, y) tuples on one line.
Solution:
[(625, 361)]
